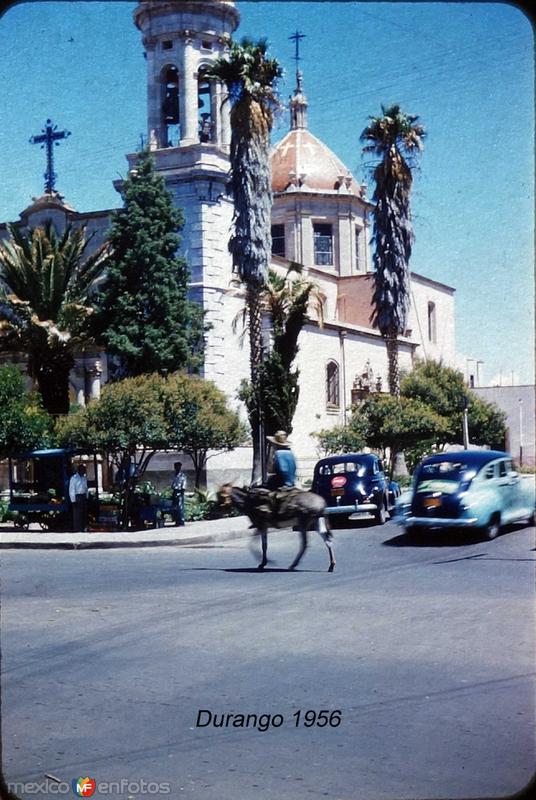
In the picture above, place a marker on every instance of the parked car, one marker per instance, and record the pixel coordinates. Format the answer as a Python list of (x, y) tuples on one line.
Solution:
[(355, 486), (470, 489)]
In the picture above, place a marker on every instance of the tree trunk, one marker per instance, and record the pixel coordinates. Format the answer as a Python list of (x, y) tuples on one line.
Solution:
[(253, 302), (391, 343), (50, 369)]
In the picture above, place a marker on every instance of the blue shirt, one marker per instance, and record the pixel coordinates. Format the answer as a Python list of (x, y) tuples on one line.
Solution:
[(285, 467)]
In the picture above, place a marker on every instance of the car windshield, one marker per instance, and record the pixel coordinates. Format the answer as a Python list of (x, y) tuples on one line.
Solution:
[(343, 467), (443, 476)]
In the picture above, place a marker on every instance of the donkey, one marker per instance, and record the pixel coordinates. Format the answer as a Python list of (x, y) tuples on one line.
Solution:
[(302, 510)]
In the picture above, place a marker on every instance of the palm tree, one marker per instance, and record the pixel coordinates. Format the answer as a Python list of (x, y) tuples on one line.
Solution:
[(46, 281), (288, 303), (396, 138), (250, 79)]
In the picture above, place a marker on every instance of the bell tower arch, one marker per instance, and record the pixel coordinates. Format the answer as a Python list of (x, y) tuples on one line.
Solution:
[(189, 135), (181, 39)]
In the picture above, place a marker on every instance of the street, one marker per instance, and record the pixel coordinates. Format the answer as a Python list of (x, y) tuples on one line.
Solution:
[(427, 650)]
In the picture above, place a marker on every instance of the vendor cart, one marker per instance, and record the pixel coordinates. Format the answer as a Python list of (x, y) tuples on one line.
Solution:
[(39, 486)]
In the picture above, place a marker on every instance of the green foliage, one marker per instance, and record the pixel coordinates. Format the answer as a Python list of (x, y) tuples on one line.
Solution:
[(144, 316), (383, 421), (286, 302), (24, 424), (198, 419), (5, 514), (349, 438), (127, 421), (46, 286), (393, 137), (443, 389), (136, 417)]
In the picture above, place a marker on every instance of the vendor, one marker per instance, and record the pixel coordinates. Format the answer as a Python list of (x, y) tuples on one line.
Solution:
[(78, 495)]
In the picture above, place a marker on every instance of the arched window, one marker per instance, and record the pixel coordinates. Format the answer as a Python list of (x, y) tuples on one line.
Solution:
[(332, 385), (170, 106), (204, 104), (432, 336)]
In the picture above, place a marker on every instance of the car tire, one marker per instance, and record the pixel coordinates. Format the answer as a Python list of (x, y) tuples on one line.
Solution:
[(493, 528), (380, 514), (531, 521)]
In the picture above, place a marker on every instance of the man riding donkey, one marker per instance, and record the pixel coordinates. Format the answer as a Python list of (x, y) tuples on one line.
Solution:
[(280, 503)]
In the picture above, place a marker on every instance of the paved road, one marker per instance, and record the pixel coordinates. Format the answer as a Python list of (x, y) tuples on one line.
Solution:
[(427, 651)]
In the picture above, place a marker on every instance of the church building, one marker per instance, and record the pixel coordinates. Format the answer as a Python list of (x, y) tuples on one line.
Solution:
[(321, 218)]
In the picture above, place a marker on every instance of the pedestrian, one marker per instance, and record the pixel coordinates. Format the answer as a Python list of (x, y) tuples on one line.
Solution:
[(78, 496), (283, 469), (178, 487)]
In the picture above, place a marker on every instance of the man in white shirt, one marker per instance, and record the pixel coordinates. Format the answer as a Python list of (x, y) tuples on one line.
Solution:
[(78, 497)]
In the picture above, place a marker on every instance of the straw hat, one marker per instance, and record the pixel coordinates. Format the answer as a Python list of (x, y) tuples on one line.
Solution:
[(279, 439)]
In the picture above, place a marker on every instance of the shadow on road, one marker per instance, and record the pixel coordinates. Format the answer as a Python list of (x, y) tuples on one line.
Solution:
[(432, 539), (247, 569), (444, 537)]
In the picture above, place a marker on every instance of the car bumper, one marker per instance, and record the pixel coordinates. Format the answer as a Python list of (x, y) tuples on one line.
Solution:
[(356, 508), (438, 522)]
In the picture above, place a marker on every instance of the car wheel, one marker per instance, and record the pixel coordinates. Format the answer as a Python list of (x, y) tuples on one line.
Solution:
[(492, 529), (381, 513)]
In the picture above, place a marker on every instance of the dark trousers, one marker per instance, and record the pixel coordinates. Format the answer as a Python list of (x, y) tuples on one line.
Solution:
[(177, 508), (80, 513)]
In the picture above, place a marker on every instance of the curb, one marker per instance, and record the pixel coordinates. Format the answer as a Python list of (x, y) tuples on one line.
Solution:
[(171, 541)]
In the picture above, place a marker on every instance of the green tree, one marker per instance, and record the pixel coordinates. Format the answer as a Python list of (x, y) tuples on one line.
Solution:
[(395, 138), (24, 424), (443, 389), (127, 424), (46, 286), (137, 417), (350, 438), (144, 316), (199, 421), (286, 302), (400, 424), (250, 78)]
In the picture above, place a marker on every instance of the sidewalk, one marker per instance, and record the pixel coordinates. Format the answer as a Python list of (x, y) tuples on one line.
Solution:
[(192, 533)]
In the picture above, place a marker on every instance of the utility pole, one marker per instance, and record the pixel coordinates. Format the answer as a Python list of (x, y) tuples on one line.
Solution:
[(465, 423)]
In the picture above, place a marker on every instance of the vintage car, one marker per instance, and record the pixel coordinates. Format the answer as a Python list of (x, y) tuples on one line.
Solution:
[(475, 489), (355, 486)]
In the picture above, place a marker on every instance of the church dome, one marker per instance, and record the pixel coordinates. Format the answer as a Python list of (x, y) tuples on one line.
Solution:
[(302, 160)]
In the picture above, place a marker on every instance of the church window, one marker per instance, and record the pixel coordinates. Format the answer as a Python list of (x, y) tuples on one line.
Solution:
[(204, 104), (332, 385), (278, 240), (323, 244), (432, 335), (170, 107), (357, 248), (167, 44)]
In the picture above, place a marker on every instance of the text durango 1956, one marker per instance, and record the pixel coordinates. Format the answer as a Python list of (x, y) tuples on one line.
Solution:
[(262, 722)]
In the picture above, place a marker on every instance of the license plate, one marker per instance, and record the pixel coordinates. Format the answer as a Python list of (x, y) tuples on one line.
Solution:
[(432, 502), (337, 492)]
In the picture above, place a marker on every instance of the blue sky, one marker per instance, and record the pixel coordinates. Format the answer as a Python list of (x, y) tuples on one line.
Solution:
[(465, 68)]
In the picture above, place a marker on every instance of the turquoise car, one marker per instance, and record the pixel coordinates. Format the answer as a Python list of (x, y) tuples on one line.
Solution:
[(470, 489)]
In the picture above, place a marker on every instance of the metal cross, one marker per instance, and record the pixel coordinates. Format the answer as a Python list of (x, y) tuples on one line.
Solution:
[(296, 37), (49, 137)]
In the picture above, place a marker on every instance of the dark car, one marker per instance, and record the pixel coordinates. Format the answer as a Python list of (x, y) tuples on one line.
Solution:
[(355, 486)]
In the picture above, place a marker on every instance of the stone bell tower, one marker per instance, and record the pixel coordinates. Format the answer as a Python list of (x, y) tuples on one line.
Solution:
[(188, 130)]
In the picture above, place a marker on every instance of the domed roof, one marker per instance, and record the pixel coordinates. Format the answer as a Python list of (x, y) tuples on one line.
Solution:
[(302, 160)]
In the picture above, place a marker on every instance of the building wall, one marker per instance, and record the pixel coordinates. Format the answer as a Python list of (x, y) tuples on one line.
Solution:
[(518, 404), (351, 349)]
